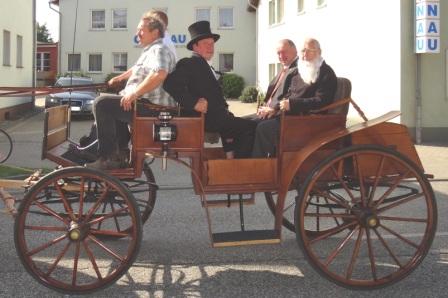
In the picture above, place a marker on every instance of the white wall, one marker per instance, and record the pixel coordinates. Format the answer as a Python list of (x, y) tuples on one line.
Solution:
[(240, 41), (17, 18), (360, 40)]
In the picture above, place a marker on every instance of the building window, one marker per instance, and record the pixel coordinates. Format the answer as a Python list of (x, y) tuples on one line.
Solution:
[(74, 62), (300, 6), (119, 19), (19, 54), (95, 63), (98, 19), (6, 48), (321, 3), (225, 17), (275, 11), (42, 61), (274, 69), (203, 14), (225, 62), (120, 62)]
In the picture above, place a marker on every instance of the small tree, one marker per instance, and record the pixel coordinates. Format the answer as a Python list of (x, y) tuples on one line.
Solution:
[(232, 85), (43, 35), (249, 94)]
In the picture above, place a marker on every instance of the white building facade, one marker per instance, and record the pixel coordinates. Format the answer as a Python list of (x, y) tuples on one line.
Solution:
[(372, 43), (104, 41), (16, 52)]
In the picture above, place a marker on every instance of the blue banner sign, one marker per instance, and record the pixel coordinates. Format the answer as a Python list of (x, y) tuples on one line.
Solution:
[(427, 26)]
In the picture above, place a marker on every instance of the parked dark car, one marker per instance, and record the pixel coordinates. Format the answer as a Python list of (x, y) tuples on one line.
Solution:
[(80, 101)]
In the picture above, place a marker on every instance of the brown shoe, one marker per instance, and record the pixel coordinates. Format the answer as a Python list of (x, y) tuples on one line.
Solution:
[(105, 164)]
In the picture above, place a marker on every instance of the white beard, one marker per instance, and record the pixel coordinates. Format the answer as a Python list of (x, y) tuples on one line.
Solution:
[(309, 70)]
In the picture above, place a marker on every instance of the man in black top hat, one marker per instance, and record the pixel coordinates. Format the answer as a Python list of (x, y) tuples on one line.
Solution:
[(194, 85)]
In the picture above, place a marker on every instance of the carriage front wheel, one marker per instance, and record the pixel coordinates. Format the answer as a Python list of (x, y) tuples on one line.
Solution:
[(60, 229), (381, 217)]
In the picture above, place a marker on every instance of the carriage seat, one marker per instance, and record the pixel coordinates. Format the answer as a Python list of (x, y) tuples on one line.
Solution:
[(343, 91)]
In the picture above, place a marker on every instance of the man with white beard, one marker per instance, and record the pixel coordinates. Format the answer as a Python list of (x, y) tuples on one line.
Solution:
[(313, 85)]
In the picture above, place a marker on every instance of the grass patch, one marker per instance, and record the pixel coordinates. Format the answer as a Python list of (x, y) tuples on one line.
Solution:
[(7, 171)]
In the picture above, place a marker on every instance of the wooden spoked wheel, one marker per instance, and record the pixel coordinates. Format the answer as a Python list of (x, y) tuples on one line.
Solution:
[(382, 220), (289, 207), (60, 224)]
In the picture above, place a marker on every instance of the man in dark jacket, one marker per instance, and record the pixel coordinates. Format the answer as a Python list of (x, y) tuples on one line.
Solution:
[(194, 85), (312, 86)]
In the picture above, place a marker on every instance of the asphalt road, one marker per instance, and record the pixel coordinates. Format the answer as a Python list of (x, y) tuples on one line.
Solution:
[(176, 259)]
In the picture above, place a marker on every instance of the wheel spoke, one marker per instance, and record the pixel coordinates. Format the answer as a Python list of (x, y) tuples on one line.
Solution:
[(344, 185), (66, 204), (59, 257), (97, 204), (339, 247), (333, 232), (113, 214), (409, 219), (391, 189), (400, 237), (81, 197), (361, 181), (46, 245), (355, 254), (117, 225), (371, 254), (331, 215), (383, 241), (333, 199), (105, 248), (46, 228), (400, 202), (50, 211), (110, 233), (92, 259), (378, 175), (75, 264)]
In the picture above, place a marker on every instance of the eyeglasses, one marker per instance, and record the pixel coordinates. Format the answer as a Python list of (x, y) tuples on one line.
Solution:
[(305, 50)]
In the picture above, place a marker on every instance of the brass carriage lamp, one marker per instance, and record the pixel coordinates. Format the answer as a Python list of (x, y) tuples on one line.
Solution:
[(164, 132)]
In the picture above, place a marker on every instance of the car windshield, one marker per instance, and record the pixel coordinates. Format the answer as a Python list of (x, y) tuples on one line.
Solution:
[(75, 82)]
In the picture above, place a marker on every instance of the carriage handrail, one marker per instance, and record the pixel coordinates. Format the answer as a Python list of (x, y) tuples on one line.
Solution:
[(34, 91), (341, 103)]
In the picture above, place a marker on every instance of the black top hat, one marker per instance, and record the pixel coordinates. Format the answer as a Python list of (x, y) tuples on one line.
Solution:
[(198, 31)]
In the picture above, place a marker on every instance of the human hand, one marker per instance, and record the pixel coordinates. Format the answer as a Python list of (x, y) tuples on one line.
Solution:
[(201, 105), (265, 112), (127, 101), (113, 81), (284, 105)]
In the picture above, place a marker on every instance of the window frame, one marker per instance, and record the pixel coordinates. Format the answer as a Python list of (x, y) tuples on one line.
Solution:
[(219, 61), (101, 63), (219, 18), (6, 53), (19, 51), (113, 19), (91, 20), (120, 58), (300, 6), (276, 12), (40, 65), (203, 8), (68, 61)]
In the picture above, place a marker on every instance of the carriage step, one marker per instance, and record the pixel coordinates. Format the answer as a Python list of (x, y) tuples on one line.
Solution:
[(239, 238), (250, 200)]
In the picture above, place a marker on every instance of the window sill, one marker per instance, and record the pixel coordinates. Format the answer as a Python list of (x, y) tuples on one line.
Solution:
[(276, 24), (299, 13), (95, 71), (119, 29), (96, 30), (19, 66), (226, 28), (321, 6), (7, 65)]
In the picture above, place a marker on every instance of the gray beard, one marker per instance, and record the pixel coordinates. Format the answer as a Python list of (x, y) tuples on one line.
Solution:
[(309, 70)]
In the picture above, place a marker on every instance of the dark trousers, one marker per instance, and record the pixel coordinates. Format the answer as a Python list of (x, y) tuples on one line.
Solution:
[(267, 137), (112, 125), (237, 134)]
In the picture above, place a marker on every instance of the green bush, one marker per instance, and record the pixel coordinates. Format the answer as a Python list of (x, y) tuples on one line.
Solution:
[(232, 85), (78, 74), (250, 94)]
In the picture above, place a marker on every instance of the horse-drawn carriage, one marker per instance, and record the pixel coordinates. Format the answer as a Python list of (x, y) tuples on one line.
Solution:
[(357, 198)]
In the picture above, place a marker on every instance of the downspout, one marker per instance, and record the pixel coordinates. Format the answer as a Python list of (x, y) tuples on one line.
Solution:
[(33, 63), (59, 40), (256, 40), (418, 100)]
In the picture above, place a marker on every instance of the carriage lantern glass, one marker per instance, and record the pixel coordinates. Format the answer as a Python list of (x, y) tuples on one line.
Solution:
[(164, 131)]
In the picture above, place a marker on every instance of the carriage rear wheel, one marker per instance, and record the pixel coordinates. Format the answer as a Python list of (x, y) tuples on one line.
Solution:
[(59, 227), (382, 222)]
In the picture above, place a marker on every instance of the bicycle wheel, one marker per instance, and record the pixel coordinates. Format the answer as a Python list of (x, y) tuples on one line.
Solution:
[(5, 146)]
